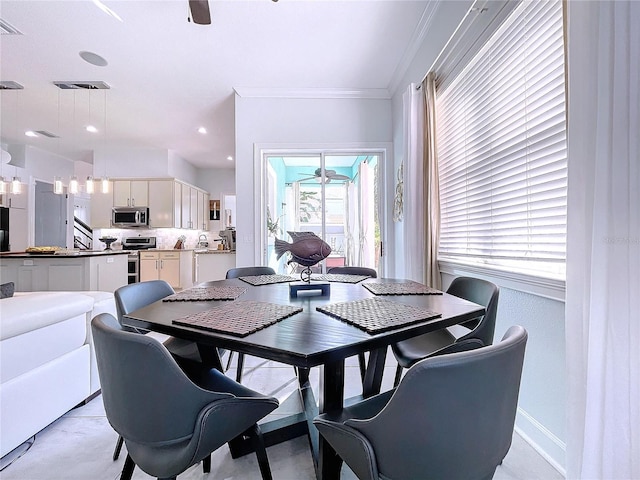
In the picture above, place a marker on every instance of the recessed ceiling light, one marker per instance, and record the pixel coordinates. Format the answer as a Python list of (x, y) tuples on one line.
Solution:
[(92, 129), (94, 59), (30, 133), (230, 158), (202, 130)]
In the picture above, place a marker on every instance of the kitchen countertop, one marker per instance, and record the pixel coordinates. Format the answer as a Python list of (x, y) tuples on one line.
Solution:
[(74, 254), (211, 250)]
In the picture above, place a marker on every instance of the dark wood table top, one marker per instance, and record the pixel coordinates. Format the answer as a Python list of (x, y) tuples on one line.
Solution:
[(309, 338)]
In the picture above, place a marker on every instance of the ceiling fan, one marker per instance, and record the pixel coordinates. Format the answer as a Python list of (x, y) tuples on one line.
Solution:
[(200, 13), (329, 175)]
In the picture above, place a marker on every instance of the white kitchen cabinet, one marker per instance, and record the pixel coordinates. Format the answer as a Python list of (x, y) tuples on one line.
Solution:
[(172, 266), (101, 206), (203, 210), (18, 200), (189, 207), (131, 193), (101, 271), (164, 201)]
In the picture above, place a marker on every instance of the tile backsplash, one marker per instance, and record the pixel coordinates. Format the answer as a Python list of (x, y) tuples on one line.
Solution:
[(166, 238)]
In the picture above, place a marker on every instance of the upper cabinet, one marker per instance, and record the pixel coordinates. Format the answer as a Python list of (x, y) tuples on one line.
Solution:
[(130, 193), (189, 207), (203, 210), (14, 200), (101, 205), (164, 200), (172, 204)]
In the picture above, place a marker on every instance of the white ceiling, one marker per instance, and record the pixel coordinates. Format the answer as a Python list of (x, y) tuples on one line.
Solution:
[(168, 76)]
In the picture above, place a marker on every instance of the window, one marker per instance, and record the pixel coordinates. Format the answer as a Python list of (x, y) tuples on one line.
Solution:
[(501, 139)]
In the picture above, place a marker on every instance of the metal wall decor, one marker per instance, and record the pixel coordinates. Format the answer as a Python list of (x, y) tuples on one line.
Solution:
[(397, 203)]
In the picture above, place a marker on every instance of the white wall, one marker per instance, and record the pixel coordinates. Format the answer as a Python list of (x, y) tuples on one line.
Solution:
[(296, 122), (141, 163)]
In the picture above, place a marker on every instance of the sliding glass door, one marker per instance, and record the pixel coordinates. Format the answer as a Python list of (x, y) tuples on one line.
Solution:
[(334, 195)]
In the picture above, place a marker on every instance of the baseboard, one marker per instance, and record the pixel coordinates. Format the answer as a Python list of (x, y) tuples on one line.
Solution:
[(543, 441)]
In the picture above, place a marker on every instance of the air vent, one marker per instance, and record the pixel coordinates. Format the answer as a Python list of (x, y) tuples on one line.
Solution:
[(9, 85), (82, 85), (44, 133), (7, 29)]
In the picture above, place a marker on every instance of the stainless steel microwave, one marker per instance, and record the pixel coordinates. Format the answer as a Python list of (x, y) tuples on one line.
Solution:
[(127, 217)]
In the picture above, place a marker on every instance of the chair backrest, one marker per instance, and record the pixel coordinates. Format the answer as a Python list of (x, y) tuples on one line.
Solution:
[(452, 416), (249, 271), (483, 293), (142, 384), (370, 272), (137, 295)]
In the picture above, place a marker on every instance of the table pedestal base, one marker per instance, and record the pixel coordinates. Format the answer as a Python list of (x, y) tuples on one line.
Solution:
[(324, 288)]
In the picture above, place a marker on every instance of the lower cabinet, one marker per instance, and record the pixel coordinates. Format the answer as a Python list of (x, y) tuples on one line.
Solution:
[(174, 267)]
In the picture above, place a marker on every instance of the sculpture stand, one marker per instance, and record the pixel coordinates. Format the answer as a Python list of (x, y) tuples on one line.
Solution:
[(321, 287)]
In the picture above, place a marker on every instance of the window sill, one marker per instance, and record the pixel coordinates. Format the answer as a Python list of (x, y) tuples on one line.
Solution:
[(534, 284)]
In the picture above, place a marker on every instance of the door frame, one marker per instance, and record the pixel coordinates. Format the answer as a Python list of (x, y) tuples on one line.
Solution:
[(383, 149)]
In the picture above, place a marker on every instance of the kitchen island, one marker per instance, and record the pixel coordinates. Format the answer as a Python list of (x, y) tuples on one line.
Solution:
[(82, 270), (212, 264)]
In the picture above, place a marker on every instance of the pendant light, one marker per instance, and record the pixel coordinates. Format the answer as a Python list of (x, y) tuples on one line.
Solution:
[(73, 185), (89, 185), (16, 186)]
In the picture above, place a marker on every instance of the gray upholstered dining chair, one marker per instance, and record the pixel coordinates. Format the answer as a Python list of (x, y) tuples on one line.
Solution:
[(452, 416), (440, 342), (245, 272), (137, 295), (369, 272), (169, 420)]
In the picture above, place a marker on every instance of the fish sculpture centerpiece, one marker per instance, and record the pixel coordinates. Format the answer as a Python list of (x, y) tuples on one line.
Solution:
[(306, 249)]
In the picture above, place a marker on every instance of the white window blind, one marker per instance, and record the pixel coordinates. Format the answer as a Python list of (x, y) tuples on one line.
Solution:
[(501, 139)]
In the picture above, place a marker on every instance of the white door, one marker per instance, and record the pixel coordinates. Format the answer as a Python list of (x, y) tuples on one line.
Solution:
[(333, 195), (50, 216)]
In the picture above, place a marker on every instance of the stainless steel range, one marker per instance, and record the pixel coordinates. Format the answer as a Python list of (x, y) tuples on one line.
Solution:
[(133, 244)]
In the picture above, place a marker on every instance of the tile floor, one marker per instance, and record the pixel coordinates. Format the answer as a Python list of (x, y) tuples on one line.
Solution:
[(79, 445)]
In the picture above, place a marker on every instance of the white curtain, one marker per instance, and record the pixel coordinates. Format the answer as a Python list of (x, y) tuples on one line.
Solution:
[(413, 221), (366, 239), (352, 224), (603, 240)]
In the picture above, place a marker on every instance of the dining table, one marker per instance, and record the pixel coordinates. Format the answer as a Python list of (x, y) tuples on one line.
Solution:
[(266, 317)]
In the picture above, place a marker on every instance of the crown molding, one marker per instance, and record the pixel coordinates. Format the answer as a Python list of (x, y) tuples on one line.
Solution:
[(259, 92), (419, 35)]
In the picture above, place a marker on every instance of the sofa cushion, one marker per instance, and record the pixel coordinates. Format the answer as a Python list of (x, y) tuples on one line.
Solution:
[(27, 311), (22, 353)]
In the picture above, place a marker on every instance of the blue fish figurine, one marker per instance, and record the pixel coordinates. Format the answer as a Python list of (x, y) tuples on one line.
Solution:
[(306, 249)]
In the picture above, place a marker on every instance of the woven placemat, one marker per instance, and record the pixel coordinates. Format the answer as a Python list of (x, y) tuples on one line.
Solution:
[(339, 277), (375, 315), (238, 318), (203, 294), (402, 288), (267, 279)]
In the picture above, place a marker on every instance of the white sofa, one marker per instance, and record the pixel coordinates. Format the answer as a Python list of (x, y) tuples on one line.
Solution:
[(47, 363)]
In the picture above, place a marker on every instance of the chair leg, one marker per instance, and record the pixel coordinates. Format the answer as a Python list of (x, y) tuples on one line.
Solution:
[(229, 360), (261, 452), (206, 464), (127, 470), (363, 365), (240, 365), (396, 380), (116, 452)]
